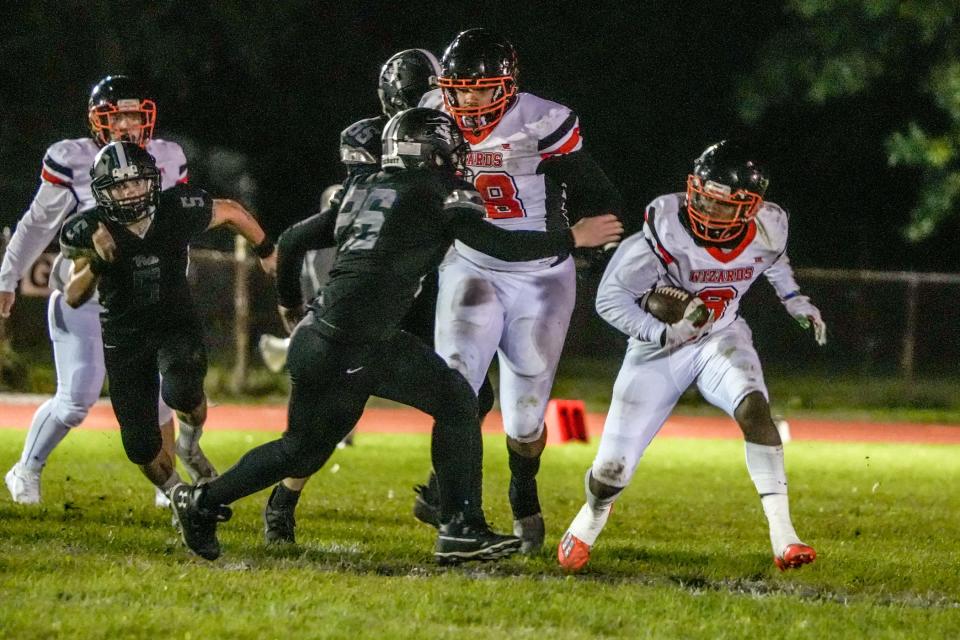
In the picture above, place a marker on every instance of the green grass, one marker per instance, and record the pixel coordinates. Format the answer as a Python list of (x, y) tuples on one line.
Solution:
[(685, 554)]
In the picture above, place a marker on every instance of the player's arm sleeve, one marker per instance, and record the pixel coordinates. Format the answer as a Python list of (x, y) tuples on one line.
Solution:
[(589, 191), (315, 232), (780, 275), (631, 272), (37, 228), (464, 209)]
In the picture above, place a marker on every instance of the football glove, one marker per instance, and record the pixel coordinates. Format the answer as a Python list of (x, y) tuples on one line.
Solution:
[(806, 314), (685, 330)]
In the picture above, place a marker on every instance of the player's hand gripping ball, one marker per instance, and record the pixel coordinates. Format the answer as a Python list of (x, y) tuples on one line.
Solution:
[(673, 304)]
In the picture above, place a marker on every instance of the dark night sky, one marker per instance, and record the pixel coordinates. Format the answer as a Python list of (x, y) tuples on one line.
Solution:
[(654, 84)]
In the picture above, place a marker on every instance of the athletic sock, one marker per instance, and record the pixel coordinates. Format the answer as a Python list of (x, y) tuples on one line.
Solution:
[(284, 497), (524, 500), (171, 482), (766, 468), (592, 517), (188, 438), (46, 432)]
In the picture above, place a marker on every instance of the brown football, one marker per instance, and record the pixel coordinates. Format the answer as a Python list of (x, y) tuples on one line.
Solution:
[(667, 304)]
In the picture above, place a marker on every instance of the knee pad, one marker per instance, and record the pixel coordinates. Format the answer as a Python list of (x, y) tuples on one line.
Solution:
[(141, 445), (70, 412), (182, 387)]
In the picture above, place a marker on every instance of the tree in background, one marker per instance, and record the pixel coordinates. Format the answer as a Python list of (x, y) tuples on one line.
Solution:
[(828, 49)]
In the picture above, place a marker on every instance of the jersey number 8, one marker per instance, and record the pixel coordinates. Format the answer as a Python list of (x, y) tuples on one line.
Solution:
[(499, 193)]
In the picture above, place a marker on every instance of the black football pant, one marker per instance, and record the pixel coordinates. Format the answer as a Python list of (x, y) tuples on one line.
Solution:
[(135, 365), (330, 384)]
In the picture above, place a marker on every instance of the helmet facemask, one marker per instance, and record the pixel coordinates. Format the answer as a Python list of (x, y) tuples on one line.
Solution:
[(128, 195), (103, 118), (476, 120), (717, 213)]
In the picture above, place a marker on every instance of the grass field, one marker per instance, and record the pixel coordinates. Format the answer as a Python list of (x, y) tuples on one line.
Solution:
[(685, 554)]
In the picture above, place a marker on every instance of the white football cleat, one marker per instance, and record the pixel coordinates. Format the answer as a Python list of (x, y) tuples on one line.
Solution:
[(160, 500), (24, 485), (273, 350)]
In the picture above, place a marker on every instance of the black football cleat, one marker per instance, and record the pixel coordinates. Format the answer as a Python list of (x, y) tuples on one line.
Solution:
[(198, 526), (459, 541), (426, 506), (279, 522)]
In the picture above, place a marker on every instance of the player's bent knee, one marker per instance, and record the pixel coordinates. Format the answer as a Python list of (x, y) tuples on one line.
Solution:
[(143, 446), (183, 389), (71, 414), (753, 416)]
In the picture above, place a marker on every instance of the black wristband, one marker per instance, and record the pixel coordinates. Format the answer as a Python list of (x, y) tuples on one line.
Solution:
[(264, 249)]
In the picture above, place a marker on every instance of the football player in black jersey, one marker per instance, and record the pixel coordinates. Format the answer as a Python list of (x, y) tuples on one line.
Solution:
[(405, 77), (392, 228), (132, 248)]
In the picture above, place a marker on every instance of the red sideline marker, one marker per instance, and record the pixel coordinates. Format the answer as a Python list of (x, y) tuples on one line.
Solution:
[(566, 421)]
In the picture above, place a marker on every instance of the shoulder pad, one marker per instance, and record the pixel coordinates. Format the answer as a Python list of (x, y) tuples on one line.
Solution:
[(170, 156), (465, 197), (772, 226), (661, 223), (360, 142), (184, 196), (555, 127), (66, 159), (432, 99)]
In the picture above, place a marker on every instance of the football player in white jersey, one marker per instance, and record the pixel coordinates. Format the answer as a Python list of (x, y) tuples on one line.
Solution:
[(118, 109), (714, 241), (527, 159)]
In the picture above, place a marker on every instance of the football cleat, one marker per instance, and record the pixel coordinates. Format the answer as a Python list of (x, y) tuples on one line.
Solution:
[(279, 522), (426, 506), (531, 532), (24, 485), (195, 461), (795, 556), (573, 554), (459, 541), (160, 499), (198, 526), (273, 350)]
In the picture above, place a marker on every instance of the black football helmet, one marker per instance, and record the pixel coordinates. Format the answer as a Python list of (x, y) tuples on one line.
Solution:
[(724, 192), (116, 165), (479, 59), (405, 77), (117, 94), (420, 137)]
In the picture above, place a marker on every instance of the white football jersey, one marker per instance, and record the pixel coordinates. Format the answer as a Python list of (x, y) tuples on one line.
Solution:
[(664, 253), (65, 189), (504, 165)]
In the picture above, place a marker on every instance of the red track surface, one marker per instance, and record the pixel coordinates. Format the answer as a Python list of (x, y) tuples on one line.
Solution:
[(273, 418)]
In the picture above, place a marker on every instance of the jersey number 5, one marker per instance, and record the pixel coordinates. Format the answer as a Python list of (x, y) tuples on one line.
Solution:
[(499, 193)]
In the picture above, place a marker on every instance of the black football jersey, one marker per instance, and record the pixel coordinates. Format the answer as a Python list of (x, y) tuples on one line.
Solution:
[(146, 287), (393, 228), (361, 146)]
